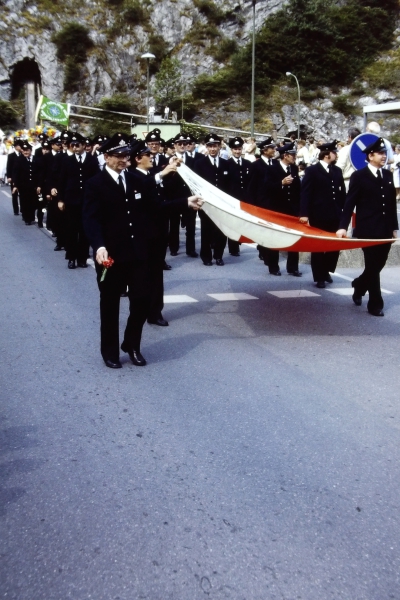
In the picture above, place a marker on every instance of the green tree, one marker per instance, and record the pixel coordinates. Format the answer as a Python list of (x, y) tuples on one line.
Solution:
[(8, 115), (168, 83), (108, 124), (323, 43)]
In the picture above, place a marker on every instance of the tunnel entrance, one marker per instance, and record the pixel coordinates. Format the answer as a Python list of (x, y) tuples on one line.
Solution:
[(25, 87)]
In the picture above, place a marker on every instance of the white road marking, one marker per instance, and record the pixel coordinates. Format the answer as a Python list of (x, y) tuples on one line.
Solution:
[(171, 299), (6, 193), (294, 294), (232, 296)]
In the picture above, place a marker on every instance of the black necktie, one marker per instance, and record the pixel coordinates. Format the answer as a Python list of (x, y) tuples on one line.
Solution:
[(121, 183), (379, 175), (80, 158), (215, 162), (270, 162), (238, 161), (288, 170)]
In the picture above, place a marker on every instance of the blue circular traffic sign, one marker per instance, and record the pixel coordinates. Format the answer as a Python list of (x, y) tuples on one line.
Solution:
[(357, 157)]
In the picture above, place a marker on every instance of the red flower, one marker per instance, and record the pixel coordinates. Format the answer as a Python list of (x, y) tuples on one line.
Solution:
[(106, 265)]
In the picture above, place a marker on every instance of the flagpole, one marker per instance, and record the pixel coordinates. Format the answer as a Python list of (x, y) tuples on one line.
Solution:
[(39, 104)]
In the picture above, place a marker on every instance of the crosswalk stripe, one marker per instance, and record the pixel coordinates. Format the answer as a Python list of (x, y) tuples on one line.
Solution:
[(293, 294), (232, 296), (176, 298)]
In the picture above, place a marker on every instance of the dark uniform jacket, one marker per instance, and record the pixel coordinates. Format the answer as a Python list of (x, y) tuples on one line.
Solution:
[(11, 158), (322, 195), (239, 177), (282, 198), (124, 222), (376, 215), (255, 189), (174, 186), (26, 174), (217, 176), (159, 163), (74, 176)]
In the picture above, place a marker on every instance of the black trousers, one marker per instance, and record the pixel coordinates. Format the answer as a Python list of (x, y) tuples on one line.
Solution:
[(173, 236), (118, 278), (189, 218), (324, 262), (28, 203), (14, 198), (213, 241), (77, 245), (375, 258), (233, 247), (271, 258)]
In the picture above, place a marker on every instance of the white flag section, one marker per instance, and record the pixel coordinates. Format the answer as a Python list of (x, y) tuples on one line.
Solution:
[(244, 222)]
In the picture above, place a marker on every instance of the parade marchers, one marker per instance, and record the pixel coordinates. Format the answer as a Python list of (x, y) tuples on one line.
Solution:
[(125, 199)]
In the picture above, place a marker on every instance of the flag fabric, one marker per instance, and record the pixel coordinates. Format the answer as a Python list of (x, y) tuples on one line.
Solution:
[(57, 112), (244, 222)]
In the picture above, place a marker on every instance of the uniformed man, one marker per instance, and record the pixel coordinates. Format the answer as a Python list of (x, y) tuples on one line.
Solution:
[(255, 192), (175, 187), (372, 193), (26, 178), (142, 167), (321, 203), (153, 141), (282, 191), (215, 170), (239, 175), (47, 184), (255, 189), (76, 170), (120, 217), (11, 158)]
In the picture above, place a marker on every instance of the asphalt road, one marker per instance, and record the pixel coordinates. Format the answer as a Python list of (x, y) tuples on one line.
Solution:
[(255, 457)]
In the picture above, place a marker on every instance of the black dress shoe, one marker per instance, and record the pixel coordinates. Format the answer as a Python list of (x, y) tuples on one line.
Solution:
[(295, 273), (16, 214), (71, 264), (357, 299), (328, 279), (57, 248), (234, 253), (193, 254), (135, 356), (376, 313), (160, 321), (124, 295), (82, 264), (220, 262), (277, 273), (174, 253), (112, 364), (166, 266), (320, 284), (40, 225), (207, 263)]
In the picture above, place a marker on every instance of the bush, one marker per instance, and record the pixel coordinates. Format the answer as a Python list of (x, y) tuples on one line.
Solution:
[(210, 10), (8, 114), (223, 50), (341, 104), (72, 41), (72, 75), (134, 13)]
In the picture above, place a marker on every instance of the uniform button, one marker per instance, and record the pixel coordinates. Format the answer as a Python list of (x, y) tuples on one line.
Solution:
[(126, 200), (383, 205), (131, 236), (129, 212), (130, 224)]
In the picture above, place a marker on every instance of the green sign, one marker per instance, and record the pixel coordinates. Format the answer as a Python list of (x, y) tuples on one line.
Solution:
[(57, 112)]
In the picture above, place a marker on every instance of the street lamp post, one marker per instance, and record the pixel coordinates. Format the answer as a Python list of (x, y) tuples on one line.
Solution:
[(148, 56), (289, 74), (253, 68)]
